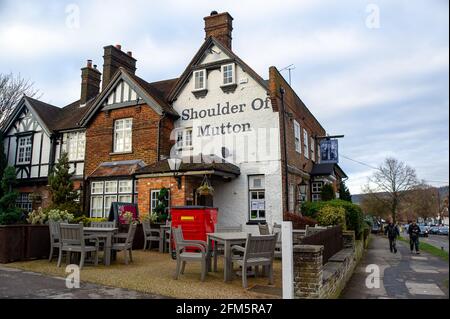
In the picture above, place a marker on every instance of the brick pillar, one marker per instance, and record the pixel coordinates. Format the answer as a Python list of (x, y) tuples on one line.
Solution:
[(348, 238), (308, 271)]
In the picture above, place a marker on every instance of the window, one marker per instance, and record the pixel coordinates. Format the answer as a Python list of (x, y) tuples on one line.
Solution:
[(228, 74), (122, 135), (110, 187), (75, 143), (318, 153), (317, 187), (257, 197), (315, 197), (108, 199), (104, 193), (291, 197), (125, 187), (200, 80), (305, 141), (97, 206), (24, 202), (298, 147), (301, 197), (97, 188), (24, 150), (154, 201), (184, 139), (313, 149)]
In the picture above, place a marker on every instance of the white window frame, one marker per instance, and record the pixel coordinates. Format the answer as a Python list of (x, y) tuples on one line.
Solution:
[(99, 190), (24, 151), (199, 74), (106, 207), (94, 188), (184, 138), (96, 211), (316, 187), (24, 202), (297, 137), (313, 149), (114, 187), (154, 199), (224, 70), (315, 197), (305, 143), (261, 214), (75, 145), (122, 134), (128, 186)]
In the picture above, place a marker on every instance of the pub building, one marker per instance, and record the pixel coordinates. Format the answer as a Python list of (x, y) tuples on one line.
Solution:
[(251, 138)]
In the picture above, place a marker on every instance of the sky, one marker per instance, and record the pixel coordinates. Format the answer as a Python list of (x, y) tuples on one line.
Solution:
[(375, 71)]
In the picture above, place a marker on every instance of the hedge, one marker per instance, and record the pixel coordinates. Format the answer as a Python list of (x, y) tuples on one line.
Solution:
[(353, 214)]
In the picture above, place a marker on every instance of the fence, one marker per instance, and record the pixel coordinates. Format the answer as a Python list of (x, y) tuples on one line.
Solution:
[(330, 238)]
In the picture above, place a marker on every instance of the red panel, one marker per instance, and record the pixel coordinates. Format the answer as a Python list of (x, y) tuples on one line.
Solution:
[(194, 221)]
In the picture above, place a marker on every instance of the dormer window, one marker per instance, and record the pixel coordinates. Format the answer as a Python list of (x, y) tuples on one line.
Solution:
[(228, 74), (199, 80)]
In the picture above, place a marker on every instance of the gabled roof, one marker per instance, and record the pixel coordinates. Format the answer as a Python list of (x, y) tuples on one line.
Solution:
[(210, 41), (154, 94)]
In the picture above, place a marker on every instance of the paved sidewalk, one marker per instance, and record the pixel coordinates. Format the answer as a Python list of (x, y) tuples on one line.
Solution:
[(402, 275), (16, 283)]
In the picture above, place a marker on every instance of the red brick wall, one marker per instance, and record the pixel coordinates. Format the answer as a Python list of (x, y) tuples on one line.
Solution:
[(293, 105), (99, 137)]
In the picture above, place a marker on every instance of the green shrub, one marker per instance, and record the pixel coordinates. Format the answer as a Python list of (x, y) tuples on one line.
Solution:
[(59, 215), (88, 220), (331, 215), (327, 193), (37, 217), (42, 216), (9, 213), (354, 216)]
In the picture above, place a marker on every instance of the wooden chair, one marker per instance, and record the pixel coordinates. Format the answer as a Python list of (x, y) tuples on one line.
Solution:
[(258, 251), (150, 234), (55, 240), (264, 229), (184, 256), (127, 245), (218, 247), (277, 230), (104, 224), (73, 240)]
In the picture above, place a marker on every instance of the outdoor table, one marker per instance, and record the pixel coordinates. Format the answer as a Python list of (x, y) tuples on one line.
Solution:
[(106, 233), (162, 237), (228, 239)]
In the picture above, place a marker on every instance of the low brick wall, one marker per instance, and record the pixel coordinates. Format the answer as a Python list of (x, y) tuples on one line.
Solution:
[(314, 280)]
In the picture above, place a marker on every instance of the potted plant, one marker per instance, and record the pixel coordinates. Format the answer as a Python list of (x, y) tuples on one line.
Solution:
[(161, 209), (205, 188)]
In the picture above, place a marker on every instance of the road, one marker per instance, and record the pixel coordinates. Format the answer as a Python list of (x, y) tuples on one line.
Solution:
[(16, 283), (400, 276), (436, 240)]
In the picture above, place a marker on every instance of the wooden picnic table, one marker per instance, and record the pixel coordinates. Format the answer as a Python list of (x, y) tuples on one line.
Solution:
[(106, 233), (228, 239)]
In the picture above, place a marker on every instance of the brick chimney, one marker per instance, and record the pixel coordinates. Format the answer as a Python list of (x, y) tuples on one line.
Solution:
[(113, 58), (219, 26), (90, 82)]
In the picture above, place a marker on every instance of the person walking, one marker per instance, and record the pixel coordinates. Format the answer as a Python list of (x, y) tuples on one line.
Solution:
[(392, 232), (414, 232)]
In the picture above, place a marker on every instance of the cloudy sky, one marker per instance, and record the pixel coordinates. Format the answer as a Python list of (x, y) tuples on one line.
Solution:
[(376, 71)]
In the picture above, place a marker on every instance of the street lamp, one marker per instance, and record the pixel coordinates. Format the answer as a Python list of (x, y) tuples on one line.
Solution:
[(303, 189), (175, 164)]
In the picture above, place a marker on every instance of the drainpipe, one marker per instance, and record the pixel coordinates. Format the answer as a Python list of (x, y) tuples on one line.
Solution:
[(286, 182), (158, 152)]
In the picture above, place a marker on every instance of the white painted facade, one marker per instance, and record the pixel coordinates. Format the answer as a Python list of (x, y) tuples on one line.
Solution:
[(249, 129)]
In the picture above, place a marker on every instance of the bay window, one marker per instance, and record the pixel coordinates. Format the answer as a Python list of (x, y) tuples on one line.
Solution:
[(104, 193)]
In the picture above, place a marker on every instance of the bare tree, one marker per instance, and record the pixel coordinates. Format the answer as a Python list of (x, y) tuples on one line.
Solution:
[(372, 205), (423, 201), (390, 184), (12, 88)]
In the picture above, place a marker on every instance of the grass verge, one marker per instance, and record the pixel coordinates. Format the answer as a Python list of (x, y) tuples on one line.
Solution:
[(429, 249)]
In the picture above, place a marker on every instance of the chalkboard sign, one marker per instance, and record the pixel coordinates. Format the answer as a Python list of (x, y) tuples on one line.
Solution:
[(118, 209)]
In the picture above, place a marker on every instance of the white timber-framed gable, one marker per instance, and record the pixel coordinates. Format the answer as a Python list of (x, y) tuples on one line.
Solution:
[(27, 142)]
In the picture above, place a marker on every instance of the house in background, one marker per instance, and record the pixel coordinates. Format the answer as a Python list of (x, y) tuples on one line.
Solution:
[(252, 138)]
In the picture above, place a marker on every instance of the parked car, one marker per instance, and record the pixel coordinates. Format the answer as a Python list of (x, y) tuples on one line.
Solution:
[(423, 231), (434, 230), (443, 230)]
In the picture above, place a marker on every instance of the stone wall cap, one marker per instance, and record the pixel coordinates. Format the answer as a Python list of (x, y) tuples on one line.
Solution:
[(308, 248)]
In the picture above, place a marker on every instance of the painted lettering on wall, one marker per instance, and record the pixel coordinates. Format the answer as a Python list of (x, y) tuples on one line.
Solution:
[(224, 109)]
